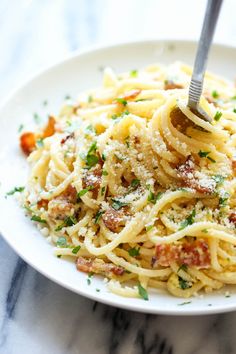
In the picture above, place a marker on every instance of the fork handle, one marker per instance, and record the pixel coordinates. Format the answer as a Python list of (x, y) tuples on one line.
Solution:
[(208, 29)]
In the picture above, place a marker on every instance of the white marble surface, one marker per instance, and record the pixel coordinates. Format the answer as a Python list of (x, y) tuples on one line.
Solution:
[(36, 315)]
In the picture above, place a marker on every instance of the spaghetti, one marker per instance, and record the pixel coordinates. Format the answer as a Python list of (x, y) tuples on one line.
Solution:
[(136, 187)]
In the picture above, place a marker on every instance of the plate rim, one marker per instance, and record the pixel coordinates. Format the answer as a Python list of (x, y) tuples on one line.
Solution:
[(95, 297)]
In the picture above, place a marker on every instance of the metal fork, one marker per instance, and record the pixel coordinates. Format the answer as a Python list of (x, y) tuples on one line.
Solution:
[(196, 84)]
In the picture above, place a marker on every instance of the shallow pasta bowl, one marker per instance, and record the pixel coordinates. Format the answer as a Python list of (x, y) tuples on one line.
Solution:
[(44, 94)]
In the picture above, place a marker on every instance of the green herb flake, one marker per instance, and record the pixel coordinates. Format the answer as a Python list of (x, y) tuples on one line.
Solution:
[(205, 231), (114, 116), (92, 148), (103, 190), (15, 190), (183, 267), (135, 183), (183, 284), (103, 157), (76, 249), (98, 290), (90, 99), (122, 101), (211, 159), (38, 219), (98, 216), (91, 160), (203, 153), (185, 303), (117, 204), (188, 221), (68, 221), (40, 143), (67, 97), (219, 179), (45, 102), (90, 274), (37, 118), (84, 191), (149, 227), (154, 198), (134, 252), (217, 116), (215, 94), (21, 126), (223, 200), (104, 173), (234, 110), (142, 292), (90, 129), (133, 73), (61, 242)]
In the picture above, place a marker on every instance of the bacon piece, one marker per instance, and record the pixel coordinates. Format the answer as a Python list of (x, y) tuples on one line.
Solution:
[(27, 142), (70, 136), (194, 253), (49, 130), (232, 218), (186, 172), (93, 180), (171, 85), (234, 165), (91, 265), (131, 95), (63, 205), (43, 203), (113, 219)]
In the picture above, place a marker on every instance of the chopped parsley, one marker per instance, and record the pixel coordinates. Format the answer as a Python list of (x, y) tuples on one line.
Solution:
[(84, 191), (90, 99), (223, 200), (89, 278), (98, 216), (68, 221), (215, 94), (117, 204), (211, 159), (21, 126), (39, 143), (15, 190), (61, 242), (185, 303), (134, 252), (149, 227), (91, 159), (234, 110), (153, 198), (37, 118), (67, 97), (103, 190), (76, 249), (90, 129), (135, 183), (133, 73), (38, 219), (127, 142), (98, 290), (183, 284), (45, 102), (142, 292), (122, 101), (104, 173), (183, 267), (203, 153), (217, 116), (188, 221), (205, 231), (219, 179), (103, 157)]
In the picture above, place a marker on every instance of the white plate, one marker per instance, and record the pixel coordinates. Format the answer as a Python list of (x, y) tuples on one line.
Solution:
[(75, 74)]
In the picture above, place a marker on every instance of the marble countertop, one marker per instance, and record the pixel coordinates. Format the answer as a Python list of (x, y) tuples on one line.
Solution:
[(36, 315)]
